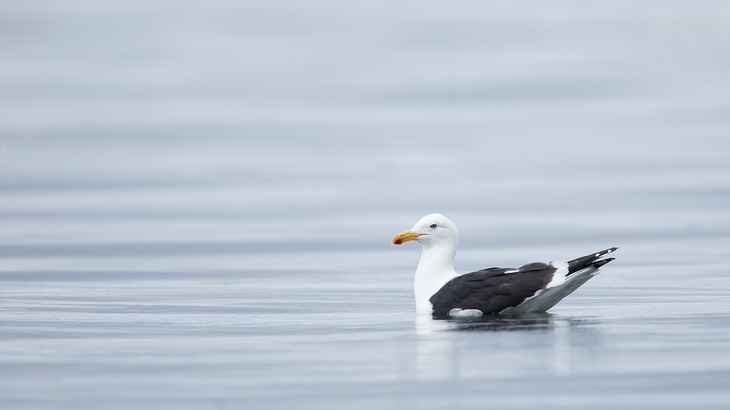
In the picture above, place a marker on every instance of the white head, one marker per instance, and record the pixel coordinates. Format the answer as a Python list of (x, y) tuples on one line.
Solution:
[(433, 229)]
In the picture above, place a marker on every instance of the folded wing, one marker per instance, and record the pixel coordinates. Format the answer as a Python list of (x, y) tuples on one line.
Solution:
[(491, 290)]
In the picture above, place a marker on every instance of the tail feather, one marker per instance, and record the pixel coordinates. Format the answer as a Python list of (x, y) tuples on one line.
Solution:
[(590, 260)]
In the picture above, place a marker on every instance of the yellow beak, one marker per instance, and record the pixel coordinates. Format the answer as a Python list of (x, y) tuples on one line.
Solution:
[(405, 236)]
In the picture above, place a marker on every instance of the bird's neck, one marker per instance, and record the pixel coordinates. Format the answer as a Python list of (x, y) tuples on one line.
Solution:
[(435, 268)]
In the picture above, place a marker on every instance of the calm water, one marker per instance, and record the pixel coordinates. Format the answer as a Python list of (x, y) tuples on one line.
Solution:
[(196, 202)]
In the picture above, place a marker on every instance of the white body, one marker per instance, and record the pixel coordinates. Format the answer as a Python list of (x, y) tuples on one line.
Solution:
[(434, 270)]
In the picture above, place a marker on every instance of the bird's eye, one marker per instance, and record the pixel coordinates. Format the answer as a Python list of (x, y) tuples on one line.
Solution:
[(433, 226)]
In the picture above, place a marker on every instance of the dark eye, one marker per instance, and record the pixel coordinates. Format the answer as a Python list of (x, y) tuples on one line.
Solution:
[(433, 226)]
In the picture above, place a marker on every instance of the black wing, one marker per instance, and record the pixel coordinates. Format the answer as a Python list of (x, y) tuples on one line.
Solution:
[(491, 290)]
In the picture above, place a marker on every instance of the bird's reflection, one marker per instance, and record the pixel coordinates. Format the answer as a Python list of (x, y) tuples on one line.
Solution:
[(501, 323), (497, 323), (441, 348)]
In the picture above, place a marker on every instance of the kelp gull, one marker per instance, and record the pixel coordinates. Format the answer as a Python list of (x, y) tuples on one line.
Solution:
[(442, 293)]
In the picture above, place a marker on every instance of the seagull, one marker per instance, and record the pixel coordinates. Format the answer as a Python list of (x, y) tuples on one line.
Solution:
[(532, 288)]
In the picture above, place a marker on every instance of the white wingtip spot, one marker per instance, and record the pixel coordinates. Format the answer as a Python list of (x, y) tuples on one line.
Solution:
[(606, 252)]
